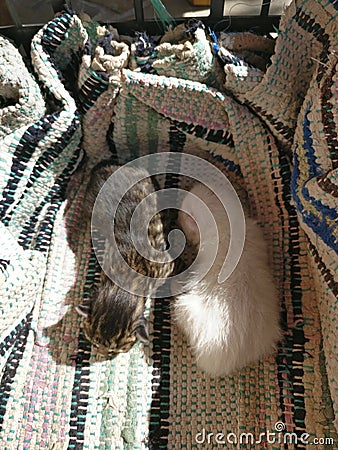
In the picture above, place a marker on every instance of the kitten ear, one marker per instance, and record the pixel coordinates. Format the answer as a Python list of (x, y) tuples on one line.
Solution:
[(83, 309), (141, 331)]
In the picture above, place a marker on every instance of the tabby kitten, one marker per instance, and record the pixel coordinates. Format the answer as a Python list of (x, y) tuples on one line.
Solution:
[(114, 318)]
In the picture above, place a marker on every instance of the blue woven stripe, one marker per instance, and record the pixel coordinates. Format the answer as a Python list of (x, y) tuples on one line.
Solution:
[(334, 3), (229, 165), (319, 223)]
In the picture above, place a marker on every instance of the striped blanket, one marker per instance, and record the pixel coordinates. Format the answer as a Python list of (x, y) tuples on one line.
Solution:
[(272, 131)]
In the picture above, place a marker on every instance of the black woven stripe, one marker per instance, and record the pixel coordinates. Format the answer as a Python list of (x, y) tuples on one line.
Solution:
[(43, 239), (23, 153), (90, 91), (80, 395), (327, 275), (219, 136), (53, 35), (4, 264), (310, 25), (298, 337), (177, 140), (80, 392), (8, 342), (328, 119), (55, 32), (282, 357), (291, 361), (53, 199), (326, 185), (286, 131), (53, 152), (17, 339), (111, 143), (159, 413), (70, 73), (160, 409)]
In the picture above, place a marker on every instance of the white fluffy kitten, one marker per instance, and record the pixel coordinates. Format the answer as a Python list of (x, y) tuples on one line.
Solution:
[(231, 324)]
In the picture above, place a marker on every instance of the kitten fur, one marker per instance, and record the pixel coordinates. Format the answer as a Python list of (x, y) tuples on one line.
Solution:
[(235, 323), (114, 317)]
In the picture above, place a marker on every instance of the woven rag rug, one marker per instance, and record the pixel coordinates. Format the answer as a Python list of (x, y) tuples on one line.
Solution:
[(273, 131)]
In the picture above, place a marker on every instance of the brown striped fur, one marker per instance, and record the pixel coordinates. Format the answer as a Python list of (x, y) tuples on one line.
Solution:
[(114, 318)]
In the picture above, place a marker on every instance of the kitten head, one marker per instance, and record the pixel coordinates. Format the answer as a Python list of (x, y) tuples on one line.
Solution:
[(113, 319)]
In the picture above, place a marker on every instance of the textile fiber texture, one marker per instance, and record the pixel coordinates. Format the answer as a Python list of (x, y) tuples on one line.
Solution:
[(271, 129)]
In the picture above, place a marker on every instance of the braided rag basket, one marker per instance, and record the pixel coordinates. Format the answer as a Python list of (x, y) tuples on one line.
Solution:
[(274, 134)]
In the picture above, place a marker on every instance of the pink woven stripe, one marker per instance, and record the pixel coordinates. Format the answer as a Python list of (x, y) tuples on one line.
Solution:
[(42, 394)]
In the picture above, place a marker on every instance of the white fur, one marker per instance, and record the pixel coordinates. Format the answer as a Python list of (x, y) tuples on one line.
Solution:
[(235, 323)]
